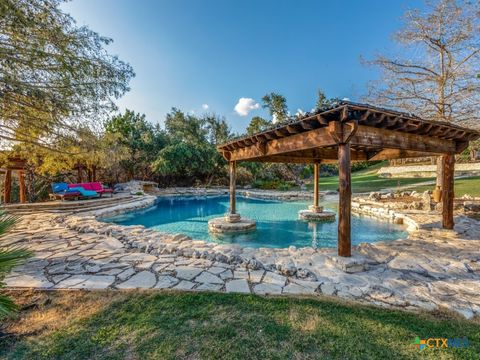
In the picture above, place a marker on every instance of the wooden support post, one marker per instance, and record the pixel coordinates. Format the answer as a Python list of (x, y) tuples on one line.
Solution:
[(344, 204), (7, 187), (315, 184), (233, 170), (440, 172), (448, 165), (79, 175), (23, 189)]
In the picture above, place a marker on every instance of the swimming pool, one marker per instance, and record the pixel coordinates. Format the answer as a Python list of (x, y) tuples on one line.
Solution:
[(277, 222)]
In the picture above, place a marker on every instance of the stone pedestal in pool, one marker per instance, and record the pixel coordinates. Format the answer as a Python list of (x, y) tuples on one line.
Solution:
[(316, 213), (231, 223)]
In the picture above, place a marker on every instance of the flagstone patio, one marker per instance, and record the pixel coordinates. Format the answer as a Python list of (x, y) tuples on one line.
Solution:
[(433, 268)]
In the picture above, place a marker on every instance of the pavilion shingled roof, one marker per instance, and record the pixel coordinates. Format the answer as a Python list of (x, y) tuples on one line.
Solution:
[(365, 114)]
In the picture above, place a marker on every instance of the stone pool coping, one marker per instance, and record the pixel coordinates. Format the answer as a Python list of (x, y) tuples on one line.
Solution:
[(360, 206), (428, 270), (229, 253)]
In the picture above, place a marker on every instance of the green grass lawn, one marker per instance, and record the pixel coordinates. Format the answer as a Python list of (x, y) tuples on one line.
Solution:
[(463, 186), (148, 325), (367, 181)]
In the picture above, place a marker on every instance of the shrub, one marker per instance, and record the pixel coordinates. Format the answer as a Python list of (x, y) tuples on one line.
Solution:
[(276, 184)]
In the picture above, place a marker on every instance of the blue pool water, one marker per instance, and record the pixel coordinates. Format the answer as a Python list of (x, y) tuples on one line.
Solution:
[(277, 222)]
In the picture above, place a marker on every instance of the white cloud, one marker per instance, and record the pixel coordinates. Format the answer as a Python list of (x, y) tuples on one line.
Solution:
[(299, 112), (245, 105), (205, 106), (274, 118)]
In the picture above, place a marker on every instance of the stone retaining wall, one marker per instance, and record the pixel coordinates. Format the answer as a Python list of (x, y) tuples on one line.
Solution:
[(383, 212), (253, 193), (427, 170)]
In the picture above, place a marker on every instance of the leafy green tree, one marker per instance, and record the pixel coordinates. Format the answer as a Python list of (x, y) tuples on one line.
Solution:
[(185, 127), (185, 159), (277, 106), (9, 258), (53, 73), (142, 140), (191, 153), (324, 102), (257, 124), (218, 129)]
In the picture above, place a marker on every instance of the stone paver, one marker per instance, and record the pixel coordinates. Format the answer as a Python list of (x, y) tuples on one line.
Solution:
[(139, 257), (30, 281), (296, 289), (166, 282), (144, 279), (184, 285), (72, 282), (125, 274), (256, 275), (431, 268), (209, 287), (274, 278), (188, 272), (267, 289), (237, 286), (95, 282), (207, 278)]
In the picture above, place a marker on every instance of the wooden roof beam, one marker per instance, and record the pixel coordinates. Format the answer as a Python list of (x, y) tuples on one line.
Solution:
[(389, 154), (307, 125), (377, 119), (269, 136), (321, 120), (292, 129), (281, 132), (307, 140), (384, 138), (327, 156)]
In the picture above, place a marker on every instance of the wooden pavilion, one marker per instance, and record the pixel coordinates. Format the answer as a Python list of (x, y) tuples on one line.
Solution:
[(14, 163), (17, 164), (353, 132)]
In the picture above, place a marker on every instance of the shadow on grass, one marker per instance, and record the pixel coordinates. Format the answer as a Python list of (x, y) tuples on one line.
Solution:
[(172, 325)]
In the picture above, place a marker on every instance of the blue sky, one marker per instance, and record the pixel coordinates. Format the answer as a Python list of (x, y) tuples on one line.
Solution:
[(213, 52)]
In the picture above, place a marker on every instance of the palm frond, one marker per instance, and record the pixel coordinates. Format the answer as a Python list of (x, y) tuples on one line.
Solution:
[(7, 221), (6, 306), (11, 257)]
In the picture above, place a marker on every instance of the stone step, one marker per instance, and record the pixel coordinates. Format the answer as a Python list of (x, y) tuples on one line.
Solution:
[(103, 206), (65, 204), (73, 209)]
